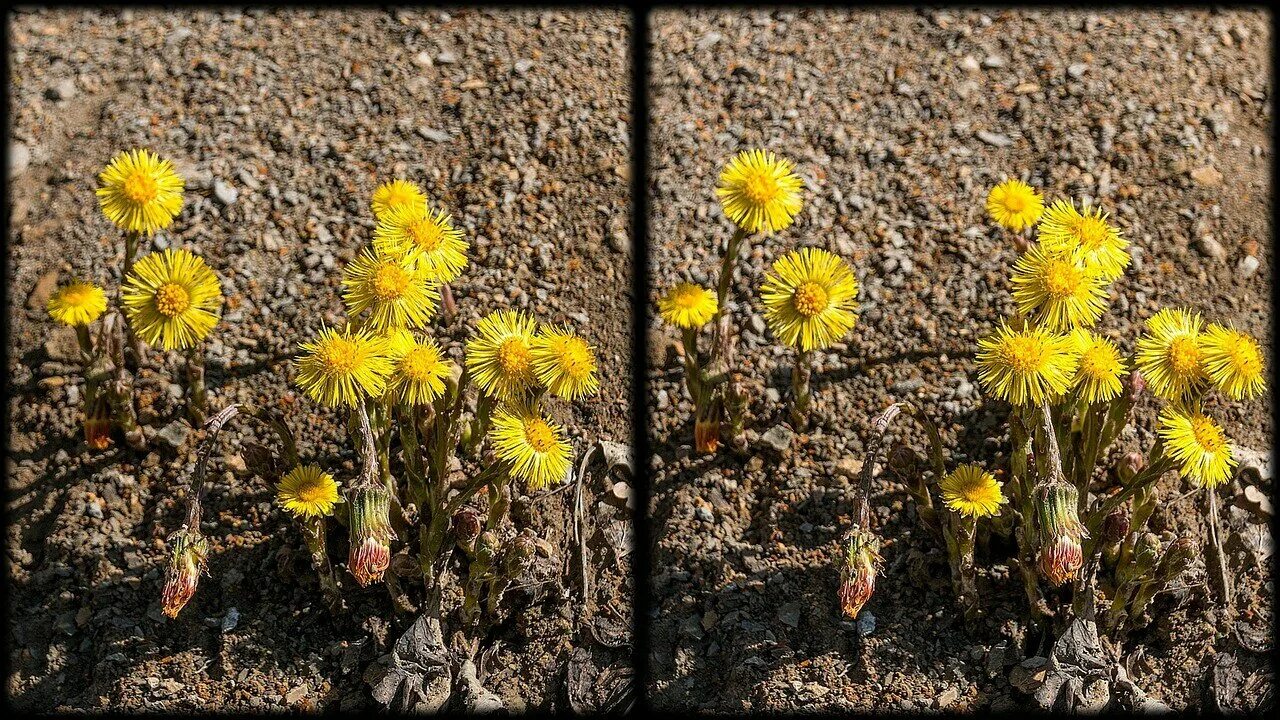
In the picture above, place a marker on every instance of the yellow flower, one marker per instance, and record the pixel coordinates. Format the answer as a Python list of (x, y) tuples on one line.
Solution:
[(759, 192), (1169, 354), (395, 194), (1026, 367), (426, 238), (1087, 236), (972, 491), (1099, 377), (564, 363), (1233, 361), (1014, 205), (534, 446), (172, 299), (307, 492), (1057, 291), (810, 298), (500, 355), (688, 306), (1199, 446), (79, 303), (420, 372), (389, 290), (140, 193), (340, 368)]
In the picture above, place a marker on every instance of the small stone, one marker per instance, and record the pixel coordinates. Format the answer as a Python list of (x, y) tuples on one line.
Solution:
[(523, 66), (93, 509), (225, 193), (866, 623), (1212, 248), (1207, 176), (849, 468), (40, 294), (992, 62), (19, 158), (970, 64), (994, 139), (789, 614), (778, 438), (448, 57), (62, 345), (230, 620), (434, 135), (948, 697), (62, 90), (423, 59), (296, 694), (703, 513), (1028, 675), (174, 434), (1077, 70), (1248, 266)]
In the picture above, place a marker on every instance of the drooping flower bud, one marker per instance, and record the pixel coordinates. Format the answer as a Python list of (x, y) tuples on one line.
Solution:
[(1129, 465), (858, 573), (190, 549), (97, 421), (1145, 555), (371, 534), (520, 554), (1177, 558), (1115, 526), (466, 528), (1061, 556), (706, 435), (1135, 385)]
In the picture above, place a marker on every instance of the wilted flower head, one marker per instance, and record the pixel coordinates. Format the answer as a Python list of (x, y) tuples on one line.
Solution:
[(187, 561), (371, 534), (1061, 556), (1115, 526), (858, 572), (706, 434)]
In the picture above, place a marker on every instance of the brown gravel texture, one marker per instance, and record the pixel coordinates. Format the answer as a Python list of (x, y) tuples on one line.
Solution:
[(899, 123), (283, 123)]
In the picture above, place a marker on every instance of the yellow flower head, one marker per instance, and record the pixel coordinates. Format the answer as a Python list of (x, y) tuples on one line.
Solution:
[(79, 303), (426, 238), (172, 299), (564, 363), (1233, 362), (395, 194), (1057, 291), (307, 492), (1169, 354), (1198, 444), (1099, 377), (340, 368), (759, 192), (1014, 205), (1087, 236), (688, 306), (810, 298), (140, 193), (534, 447), (389, 291), (1026, 367), (972, 491), (420, 372), (500, 355)]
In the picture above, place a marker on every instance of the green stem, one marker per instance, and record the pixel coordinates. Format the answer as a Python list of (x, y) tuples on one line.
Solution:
[(727, 264), (802, 399), (197, 395)]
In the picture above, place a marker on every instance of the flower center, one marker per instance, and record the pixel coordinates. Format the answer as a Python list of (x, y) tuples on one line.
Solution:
[(575, 357), (1061, 279), (390, 282), (687, 298), (760, 188), (339, 355), (810, 299), (141, 188), (1208, 436), (1023, 354), (513, 357), (420, 364), (1095, 362), (539, 435), (172, 299), (1092, 232), (312, 492), (76, 296), (426, 234), (1184, 356), (1015, 203), (1245, 359)]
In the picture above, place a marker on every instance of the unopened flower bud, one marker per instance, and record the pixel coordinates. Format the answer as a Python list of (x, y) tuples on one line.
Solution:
[(858, 574), (1129, 465), (1115, 526), (1061, 556), (520, 553), (1135, 385), (466, 528), (706, 435), (1177, 558), (371, 534), (1146, 552), (97, 423), (486, 547), (183, 574)]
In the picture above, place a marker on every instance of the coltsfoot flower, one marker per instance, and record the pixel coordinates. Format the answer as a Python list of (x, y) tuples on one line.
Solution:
[(1014, 205), (341, 368), (1198, 444), (534, 446), (140, 193), (1026, 367), (395, 194), (1087, 236), (1099, 376), (371, 534), (971, 491), (1057, 291), (77, 304), (389, 291), (425, 238), (1170, 355), (308, 492), (759, 192), (564, 363), (688, 306), (810, 298), (172, 299), (500, 354), (858, 572), (186, 563), (1061, 531), (420, 370), (1233, 362)]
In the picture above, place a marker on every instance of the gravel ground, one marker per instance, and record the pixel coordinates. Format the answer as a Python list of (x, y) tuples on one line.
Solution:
[(900, 122), (282, 124)]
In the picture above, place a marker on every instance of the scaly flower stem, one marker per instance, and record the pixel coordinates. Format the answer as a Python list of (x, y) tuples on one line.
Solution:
[(963, 573), (137, 350), (727, 264), (313, 534), (448, 306), (1021, 441), (1157, 465), (197, 395), (802, 399)]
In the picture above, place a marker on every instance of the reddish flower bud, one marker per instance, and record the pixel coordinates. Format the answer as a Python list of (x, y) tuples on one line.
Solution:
[(1061, 560), (190, 550), (1061, 556), (371, 534), (706, 435), (1135, 386), (1115, 526), (858, 574), (1129, 465), (466, 528)]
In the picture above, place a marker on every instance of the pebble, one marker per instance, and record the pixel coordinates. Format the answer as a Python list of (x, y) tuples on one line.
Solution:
[(225, 193), (64, 89), (778, 438), (994, 139), (1248, 266), (19, 158), (1211, 248), (174, 434), (866, 623), (230, 620)]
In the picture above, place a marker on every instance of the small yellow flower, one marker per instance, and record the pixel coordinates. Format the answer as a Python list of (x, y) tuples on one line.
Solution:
[(389, 291), (564, 363), (420, 372), (396, 194), (307, 492), (688, 306), (810, 298), (1233, 362), (79, 303), (426, 238), (500, 355), (1014, 205), (140, 193), (1100, 375), (1170, 356), (1087, 236), (172, 299), (1026, 367), (534, 446), (1198, 444), (1057, 291), (759, 192), (341, 368), (973, 492)]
